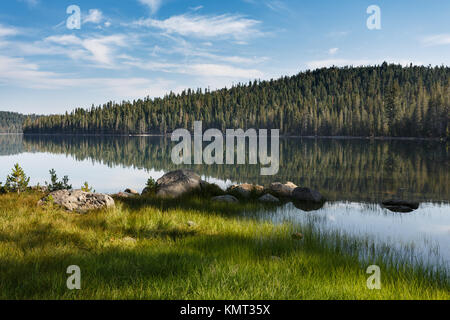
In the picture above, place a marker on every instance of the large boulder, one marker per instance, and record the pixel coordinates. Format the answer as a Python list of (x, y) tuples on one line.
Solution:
[(282, 190), (177, 183), (79, 201), (306, 194), (246, 190)]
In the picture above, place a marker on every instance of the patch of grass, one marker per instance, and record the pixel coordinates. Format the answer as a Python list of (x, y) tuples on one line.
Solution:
[(146, 248)]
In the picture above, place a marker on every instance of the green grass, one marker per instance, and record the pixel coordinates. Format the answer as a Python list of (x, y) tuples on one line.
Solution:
[(145, 249)]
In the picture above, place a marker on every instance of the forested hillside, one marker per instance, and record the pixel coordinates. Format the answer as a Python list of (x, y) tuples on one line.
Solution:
[(11, 122), (386, 100)]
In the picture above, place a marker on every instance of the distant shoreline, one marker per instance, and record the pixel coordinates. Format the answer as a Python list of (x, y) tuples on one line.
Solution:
[(281, 136)]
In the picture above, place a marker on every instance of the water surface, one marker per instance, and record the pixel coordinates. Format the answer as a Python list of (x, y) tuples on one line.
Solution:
[(354, 175)]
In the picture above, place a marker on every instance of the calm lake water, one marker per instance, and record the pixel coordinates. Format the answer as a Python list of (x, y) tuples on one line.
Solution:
[(354, 175)]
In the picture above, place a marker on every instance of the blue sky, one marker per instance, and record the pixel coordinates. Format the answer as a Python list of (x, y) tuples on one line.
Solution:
[(128, 49)]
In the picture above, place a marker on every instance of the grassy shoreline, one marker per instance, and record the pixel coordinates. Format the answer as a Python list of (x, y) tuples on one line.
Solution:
[(147, 248)]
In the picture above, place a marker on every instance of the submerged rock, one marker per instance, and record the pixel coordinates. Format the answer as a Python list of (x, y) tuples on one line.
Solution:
[(308, 205), (225, 198), (413, 205), (80, 201), (403, 209), (177, 183), (268, 198), (282, 190), (306, 194)]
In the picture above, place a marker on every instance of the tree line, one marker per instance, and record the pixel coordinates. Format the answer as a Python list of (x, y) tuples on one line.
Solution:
[(384, 100), (11, 122)]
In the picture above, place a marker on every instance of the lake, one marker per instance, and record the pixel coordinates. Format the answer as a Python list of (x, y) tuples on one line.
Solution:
[(355, 175)]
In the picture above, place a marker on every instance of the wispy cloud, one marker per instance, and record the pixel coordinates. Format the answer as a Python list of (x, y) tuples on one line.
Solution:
[(154, 5), (8, 31), (100, 49), (437, 40), (333, 51), (31, 3), (94, 16), (202, 26)]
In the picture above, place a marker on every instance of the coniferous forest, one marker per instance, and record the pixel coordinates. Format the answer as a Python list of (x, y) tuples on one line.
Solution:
[(11, 122), (385, 100)]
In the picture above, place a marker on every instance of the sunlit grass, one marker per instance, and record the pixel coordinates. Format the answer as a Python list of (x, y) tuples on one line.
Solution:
[(188, 249)]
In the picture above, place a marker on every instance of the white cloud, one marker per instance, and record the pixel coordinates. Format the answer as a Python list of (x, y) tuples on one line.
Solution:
[(8, 31), (333, 51), (94, 16), (437, 40), (154, 5), (226, 25), (20, 73), (101, 50), (31, 3)]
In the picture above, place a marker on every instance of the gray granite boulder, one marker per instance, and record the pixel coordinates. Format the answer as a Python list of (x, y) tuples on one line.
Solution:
[(268, 198), (282, 190), (79, 201), (177, 183)]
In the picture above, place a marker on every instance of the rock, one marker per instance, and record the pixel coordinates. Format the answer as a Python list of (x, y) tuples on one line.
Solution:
[(192, 224), (123, 195), (132, 191), (225, 198), (177, 183), (308, 205), (282, 190), (129, 239), (80, 201), (211, 189), (403, 209), (401, 203), (306, 194), (275, 258), (268, 198), (297, 236), (245, 190)]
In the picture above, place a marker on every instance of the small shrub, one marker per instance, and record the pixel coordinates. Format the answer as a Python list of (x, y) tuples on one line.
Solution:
[(17, 181), (56, 185), (151, 186), (2, 189), (87, 188)]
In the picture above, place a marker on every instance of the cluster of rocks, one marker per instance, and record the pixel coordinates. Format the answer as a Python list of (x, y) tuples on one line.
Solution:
[(178, 183), (181, 182)]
